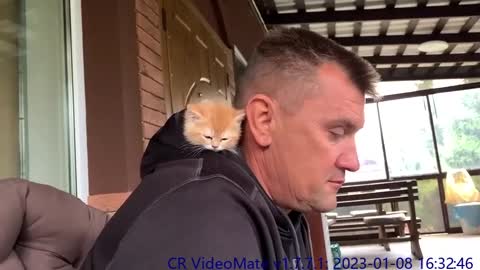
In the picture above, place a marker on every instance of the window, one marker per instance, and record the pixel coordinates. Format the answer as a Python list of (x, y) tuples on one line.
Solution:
[(409, 142), (36, 116), (457, 126), (408, 137), (369, 148)]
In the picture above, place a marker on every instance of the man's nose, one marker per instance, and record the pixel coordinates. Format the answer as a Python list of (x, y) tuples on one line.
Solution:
[(349, 160)]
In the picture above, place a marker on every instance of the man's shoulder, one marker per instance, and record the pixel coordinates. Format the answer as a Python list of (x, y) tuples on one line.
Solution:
[(210, 172)]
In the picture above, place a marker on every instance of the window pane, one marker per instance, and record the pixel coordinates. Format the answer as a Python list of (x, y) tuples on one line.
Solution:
[(457, 127), (428, 206), (408, 137), (369, 147), (35, 83)]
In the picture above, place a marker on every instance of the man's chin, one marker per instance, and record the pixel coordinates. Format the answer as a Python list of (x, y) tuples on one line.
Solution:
[(325, 205), (321, 204)]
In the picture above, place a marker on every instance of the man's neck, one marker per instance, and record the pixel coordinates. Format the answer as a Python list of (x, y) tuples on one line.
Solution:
[(254, 162)]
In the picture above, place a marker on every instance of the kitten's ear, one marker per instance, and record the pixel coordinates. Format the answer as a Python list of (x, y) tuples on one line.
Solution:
[(192, 113), (240, 115)]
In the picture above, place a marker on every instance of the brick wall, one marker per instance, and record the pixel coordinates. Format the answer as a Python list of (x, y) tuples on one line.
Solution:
[(151, 76)]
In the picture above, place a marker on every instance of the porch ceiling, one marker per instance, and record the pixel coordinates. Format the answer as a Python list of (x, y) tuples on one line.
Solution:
[(388, 32)]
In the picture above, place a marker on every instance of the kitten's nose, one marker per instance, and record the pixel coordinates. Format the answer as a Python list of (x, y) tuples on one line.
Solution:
[(215, 146)]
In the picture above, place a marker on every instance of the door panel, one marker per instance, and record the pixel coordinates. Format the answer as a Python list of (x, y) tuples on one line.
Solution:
[(198, 59)]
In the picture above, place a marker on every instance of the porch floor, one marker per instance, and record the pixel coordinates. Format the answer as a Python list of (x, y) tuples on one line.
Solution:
[(438, 247)]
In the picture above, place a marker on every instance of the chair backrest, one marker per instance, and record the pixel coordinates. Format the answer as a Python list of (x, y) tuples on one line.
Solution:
[(377, 192), (44, 228)]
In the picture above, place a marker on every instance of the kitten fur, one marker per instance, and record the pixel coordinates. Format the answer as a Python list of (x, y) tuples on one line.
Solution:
[(213, 125)]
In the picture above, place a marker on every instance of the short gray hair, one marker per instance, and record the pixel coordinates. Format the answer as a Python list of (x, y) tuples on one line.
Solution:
[(287, 56)]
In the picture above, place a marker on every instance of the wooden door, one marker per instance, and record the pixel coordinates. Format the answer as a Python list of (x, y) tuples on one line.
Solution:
[(200, 65)]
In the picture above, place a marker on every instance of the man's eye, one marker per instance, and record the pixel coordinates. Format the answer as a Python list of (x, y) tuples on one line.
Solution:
[(337, 132)]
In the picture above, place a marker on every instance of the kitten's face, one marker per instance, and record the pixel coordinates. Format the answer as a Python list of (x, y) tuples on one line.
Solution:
[(214, 126)]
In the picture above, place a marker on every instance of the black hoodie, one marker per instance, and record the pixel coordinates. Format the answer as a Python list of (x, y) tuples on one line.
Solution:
[(207, 212)]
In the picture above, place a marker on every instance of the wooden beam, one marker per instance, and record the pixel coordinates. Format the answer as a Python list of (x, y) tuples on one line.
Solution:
[(439, 26), (357, 29), (301, 9), (407, 39), (446, 52), (360, 4), (412, 24), (373, 14), (474, 48), (260, 6), (384, 28), (318, 240), (390, 3), (454, 2), (422, 3), (330, 5), (270, 7), (469, 24), (403, 74), (417, 59), (357, 26), (300, 5), (383, 32)]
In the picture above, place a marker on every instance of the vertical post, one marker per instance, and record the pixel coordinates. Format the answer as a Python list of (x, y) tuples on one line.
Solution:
[(439, 167), (320, 239), (387, 173)]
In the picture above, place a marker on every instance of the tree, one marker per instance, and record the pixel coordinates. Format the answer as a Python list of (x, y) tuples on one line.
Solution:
[(466, 134)]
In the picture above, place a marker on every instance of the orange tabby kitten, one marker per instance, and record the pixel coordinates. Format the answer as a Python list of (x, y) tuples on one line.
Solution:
[(213, 125)]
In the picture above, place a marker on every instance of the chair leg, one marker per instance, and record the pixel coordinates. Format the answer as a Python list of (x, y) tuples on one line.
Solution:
[(416, 250), (414, 242), (401, 229), (383, 236)]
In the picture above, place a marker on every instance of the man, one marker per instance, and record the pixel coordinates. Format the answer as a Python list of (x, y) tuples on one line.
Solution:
[(304, 99)]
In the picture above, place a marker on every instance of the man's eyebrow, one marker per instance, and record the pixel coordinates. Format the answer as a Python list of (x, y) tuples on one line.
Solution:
[(346, 123)]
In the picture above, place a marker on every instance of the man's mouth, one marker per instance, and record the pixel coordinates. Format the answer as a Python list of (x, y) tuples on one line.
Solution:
[(337, 183)]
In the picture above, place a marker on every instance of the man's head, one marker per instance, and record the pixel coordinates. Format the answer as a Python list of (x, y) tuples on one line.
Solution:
[(304, 98)]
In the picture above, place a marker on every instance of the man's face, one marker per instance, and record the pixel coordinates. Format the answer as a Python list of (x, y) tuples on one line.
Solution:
[(312, 148)]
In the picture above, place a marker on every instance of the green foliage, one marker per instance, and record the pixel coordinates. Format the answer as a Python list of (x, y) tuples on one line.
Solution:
[(466, 151), (428, 209)]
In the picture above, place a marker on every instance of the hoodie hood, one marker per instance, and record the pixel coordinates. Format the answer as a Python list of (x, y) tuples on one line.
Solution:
[(168, 144), (165, 145)]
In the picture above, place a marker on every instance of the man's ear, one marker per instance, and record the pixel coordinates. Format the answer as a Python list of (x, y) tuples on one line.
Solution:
[(259, 113)]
